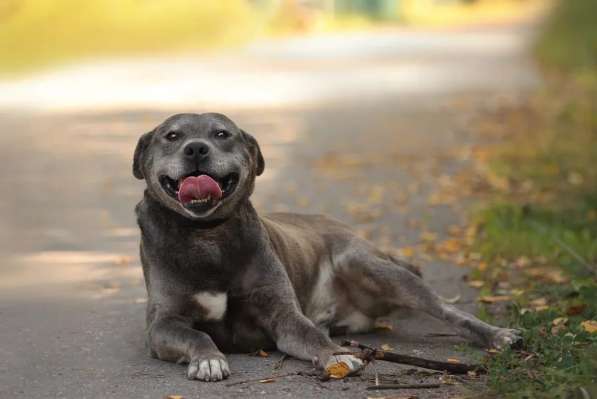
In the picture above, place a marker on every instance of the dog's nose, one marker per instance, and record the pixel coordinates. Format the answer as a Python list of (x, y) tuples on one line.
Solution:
[(196, 150)]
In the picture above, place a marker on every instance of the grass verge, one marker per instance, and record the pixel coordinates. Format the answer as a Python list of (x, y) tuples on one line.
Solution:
[(538, 232)]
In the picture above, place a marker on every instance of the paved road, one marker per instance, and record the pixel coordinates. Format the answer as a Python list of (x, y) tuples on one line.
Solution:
[(362, 127)]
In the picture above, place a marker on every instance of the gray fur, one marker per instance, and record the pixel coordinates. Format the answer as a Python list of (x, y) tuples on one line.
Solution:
[(284, 280)]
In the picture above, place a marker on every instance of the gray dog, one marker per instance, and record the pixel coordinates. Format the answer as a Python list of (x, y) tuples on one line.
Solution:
[(221, 278)]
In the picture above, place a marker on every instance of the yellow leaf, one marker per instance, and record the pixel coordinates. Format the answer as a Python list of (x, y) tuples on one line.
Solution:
[(174, 397), (589, 326), (267, 380), (539, 303), (262, 353), (338, 370), (384, 325), (428, 236), (386, 347), (453, 360), (495, 298), (476, 283), (407, 252)]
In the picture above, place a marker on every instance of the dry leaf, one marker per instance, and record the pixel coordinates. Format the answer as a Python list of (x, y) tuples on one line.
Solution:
[(476, 283), (428, 236), (547, 274), (384, 325), (495, 298), (174, 397), (338, 370), (267, 380), (539, 303), (558, 325), (453, 360), (589, 326), (386, 347), (449, 246), (407, 252), (262, 353), (576, 309)]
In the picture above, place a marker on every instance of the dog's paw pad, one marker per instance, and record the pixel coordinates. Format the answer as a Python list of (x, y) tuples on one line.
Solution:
[(340, 366), (506, 338), (208, 369)]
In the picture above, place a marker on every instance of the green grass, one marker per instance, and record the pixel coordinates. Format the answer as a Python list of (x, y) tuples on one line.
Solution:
[(546, 219), (569, 41)]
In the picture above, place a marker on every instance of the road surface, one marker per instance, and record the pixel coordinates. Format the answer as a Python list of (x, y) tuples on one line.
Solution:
[(362, 126)]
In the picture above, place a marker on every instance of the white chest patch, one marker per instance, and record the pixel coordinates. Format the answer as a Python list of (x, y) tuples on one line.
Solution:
[(212, 303)]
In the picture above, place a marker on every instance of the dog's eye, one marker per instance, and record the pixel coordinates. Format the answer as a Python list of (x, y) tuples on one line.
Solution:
[(222, 134), (172, 136)]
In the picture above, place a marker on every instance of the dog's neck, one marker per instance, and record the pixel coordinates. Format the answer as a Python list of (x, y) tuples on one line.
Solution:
[(244, 215)]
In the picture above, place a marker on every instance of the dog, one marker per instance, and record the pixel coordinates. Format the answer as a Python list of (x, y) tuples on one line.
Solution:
[(221, 278)]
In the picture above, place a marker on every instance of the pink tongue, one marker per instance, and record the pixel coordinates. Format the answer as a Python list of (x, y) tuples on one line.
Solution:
[(198, 188)]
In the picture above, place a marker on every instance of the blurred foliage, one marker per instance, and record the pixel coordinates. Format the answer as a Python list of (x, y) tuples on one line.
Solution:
[(433, 12), (570, 49), (538, 234), (38, 32)]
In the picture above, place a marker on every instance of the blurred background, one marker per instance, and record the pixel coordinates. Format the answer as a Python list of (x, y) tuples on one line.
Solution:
[(440, 129)]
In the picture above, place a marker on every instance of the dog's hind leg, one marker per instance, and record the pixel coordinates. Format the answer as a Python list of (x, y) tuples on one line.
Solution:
[(376, 284)]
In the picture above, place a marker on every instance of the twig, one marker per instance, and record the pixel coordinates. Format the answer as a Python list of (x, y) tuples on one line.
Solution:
[(401, 386), (440, 335), (453, 368), (262, 379)]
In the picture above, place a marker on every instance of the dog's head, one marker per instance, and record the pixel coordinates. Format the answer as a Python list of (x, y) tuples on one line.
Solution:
[(199, 165)]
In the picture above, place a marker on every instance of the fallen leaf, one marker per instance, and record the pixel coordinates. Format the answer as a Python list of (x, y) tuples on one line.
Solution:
[(174, 397), (539, 303), (428, 236), (408, 252), (558, 325), (262, 353), (386, 347), (338, 370), (476, 283), (453, 360), (552, 275), (589, 326), (384, 325), (495, 298), (522, 262), (267, 380), (576, 309), (450, 246)]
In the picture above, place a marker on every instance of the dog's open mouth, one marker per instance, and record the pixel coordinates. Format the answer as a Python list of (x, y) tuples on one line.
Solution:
[(198, 190)]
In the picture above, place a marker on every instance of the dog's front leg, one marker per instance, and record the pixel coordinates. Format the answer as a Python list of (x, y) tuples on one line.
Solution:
[(171, 338), (294, 333)]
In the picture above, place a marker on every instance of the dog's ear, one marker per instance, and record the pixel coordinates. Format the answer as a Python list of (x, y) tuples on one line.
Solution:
[(255, 152), (142, 145)]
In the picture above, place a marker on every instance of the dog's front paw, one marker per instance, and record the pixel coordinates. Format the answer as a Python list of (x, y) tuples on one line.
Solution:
[(208, 368), (506, 338), (340, 366)]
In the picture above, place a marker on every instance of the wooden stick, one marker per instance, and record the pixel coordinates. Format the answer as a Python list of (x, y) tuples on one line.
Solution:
[(452, 368), (401, 386), (273, 377)]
